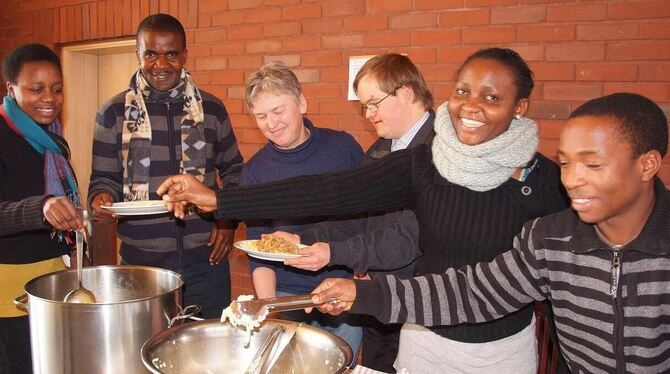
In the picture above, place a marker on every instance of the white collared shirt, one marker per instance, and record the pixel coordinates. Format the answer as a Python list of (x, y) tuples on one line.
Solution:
[(403, 142)]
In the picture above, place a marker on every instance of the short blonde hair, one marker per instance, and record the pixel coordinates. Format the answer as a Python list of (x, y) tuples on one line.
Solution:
[(274, 77)]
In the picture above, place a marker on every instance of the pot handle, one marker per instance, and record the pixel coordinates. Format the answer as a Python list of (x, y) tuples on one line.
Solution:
[(21, 302), (186, 313)]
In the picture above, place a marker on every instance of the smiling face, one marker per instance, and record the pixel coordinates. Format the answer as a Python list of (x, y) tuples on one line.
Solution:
[(279, 117), (484, 101), (607, 184), (391, 120), (39, 91), (161, 57)]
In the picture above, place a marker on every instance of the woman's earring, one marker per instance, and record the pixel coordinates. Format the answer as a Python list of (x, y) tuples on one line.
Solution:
[(517, 116)]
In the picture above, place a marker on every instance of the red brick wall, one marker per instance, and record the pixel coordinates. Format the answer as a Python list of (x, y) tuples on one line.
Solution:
[(578, 49)]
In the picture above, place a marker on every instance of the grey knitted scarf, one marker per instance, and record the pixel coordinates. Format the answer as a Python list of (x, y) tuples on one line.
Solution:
[(485, 166)]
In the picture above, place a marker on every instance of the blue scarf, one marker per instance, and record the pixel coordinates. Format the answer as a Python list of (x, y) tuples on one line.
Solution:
[(58, 175)]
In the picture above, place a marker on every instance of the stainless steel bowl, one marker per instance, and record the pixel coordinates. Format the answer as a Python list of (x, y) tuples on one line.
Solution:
[(213, 347)]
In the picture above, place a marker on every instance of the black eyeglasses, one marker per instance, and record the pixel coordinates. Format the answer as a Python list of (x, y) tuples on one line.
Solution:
[(374, 107)]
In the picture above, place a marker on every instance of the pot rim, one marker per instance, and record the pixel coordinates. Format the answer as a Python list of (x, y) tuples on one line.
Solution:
[(162, 336), (35, 280)]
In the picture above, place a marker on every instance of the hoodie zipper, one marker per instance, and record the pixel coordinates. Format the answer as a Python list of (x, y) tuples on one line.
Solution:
[(175, 171), (614, 273), (615, 291)]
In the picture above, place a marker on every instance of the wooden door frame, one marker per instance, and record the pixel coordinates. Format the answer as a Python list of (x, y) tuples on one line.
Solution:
[(81, 88)]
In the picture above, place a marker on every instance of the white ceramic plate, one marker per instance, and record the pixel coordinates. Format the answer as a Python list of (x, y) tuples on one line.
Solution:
[(138, 208), (249, 247)]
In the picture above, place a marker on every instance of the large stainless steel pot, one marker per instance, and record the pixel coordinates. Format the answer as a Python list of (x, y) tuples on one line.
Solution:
[(213, 347), (133, 303)]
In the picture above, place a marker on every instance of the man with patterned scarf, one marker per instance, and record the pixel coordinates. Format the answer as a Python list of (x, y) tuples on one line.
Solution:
[(163, 125)]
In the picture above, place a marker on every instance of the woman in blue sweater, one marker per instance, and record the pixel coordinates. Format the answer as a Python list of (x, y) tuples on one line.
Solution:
[(295, 147)]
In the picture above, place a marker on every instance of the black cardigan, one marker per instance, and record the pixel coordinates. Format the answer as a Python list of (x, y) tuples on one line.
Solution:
[(24, 238)]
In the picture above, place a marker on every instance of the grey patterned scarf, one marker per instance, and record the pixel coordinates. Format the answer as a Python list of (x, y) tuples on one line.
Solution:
[(485, 166), (136, 136)]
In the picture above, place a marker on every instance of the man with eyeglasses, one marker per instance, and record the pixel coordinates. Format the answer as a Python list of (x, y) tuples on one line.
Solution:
[(396, 101)]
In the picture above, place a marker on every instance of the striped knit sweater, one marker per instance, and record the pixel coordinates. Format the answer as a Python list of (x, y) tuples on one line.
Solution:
[(156, 240), (457, 226), (605, 323)]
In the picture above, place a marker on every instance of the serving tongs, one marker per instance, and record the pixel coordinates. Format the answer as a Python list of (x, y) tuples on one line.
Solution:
[(257, 310), (261, 360)]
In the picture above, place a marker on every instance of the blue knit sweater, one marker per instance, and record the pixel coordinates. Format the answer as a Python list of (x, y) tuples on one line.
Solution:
[(325, 151)]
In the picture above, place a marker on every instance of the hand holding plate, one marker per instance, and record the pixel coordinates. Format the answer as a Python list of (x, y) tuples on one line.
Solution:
[(99, 214), (313, 258)]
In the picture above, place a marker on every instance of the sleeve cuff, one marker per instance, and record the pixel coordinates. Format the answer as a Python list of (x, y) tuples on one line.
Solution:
[(370, 300), (33, 212), (338, 254), (230, 224), (308, 237), (219, 212)]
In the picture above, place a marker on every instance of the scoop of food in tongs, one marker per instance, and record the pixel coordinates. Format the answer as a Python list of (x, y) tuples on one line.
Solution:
[(245, 311)]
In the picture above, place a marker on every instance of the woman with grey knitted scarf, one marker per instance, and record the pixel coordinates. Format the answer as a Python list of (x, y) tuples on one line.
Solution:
[(482, 139), (472, 191)]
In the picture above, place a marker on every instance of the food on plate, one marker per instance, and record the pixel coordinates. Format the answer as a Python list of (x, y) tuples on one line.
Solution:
[(273, 244)]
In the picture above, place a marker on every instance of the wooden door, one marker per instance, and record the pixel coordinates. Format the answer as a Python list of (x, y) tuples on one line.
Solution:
[(93, 73)]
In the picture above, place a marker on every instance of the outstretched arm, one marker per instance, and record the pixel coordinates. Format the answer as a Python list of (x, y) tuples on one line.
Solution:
[(473, 294), (382, 185), (382, 247), (389, 248)]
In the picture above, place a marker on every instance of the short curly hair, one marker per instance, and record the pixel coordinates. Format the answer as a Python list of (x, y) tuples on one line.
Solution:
[(641, 122), (24, 54), (274, 77), (162, 22), (523, 76)]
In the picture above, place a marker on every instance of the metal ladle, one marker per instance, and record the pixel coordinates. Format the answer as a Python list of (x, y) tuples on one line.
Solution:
[(81, 295)]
